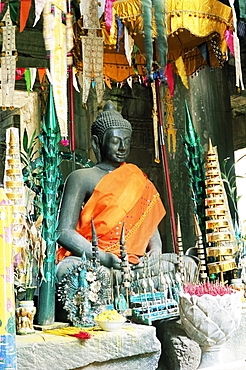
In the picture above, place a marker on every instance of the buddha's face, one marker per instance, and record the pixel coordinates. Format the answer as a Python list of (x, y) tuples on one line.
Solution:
[(115, 146)]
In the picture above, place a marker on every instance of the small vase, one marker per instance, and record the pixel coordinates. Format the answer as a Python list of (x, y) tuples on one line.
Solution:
[(24, 317)]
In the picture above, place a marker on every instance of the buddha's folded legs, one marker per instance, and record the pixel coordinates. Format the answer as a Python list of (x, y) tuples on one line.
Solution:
[(168, 263)]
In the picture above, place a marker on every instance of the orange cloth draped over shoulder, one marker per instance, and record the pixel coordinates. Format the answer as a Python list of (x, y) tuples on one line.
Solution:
[(127, 196)]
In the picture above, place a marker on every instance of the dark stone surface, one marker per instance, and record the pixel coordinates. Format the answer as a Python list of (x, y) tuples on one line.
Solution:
[(178, 351)]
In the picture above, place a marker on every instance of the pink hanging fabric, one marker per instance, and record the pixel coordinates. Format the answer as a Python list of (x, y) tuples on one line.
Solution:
[(108, 14), (229, 40), (170, 79), (2, 6), (19, 72)]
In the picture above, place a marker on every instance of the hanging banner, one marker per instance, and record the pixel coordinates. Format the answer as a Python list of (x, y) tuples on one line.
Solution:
[(56, 42), (237, 54), (7, 298), (8, 62), (14, 189), (92, 52)]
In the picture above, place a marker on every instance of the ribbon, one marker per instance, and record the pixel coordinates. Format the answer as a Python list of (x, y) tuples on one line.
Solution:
[(27, 76), (128, 44), (75, 83), (108, 14), (239, 76), (229, 40), (39, 6), (108, 82), (41, 73), (169, 77), (129, 81), (181, 71), (101, 6), (19, 72), (119, 32), (204, 51), (25, 7), (2, 6)]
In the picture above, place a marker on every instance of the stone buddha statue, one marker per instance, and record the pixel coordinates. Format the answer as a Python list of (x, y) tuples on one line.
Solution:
[(113, 193)]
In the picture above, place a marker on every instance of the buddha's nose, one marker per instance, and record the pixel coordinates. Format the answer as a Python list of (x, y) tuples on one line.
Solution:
[(122, 145)]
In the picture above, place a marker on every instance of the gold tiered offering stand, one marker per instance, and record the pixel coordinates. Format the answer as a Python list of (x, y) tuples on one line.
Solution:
[(220, 235), (200, 251), (180, 251), (15, 191)]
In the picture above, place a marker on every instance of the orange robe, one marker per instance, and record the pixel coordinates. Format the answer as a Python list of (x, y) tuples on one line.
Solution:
[(127, 196)]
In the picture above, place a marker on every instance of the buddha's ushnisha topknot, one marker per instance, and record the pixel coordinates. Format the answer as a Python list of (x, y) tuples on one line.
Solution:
[(108, 118)]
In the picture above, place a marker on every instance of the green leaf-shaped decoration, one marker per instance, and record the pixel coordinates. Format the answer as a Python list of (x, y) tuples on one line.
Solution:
[(10, 327)]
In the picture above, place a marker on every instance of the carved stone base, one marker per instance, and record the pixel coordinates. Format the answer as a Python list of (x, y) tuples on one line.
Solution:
[(210, 357)]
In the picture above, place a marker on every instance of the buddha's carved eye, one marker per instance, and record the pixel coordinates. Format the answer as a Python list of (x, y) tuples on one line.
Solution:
[(127, 141), (114, 140)]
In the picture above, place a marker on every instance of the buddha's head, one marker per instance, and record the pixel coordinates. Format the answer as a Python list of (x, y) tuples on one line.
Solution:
[(111, 135)]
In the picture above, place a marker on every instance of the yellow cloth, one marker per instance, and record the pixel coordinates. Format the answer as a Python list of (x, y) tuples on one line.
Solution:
[(188, 25), (116, 66), (181, 71)]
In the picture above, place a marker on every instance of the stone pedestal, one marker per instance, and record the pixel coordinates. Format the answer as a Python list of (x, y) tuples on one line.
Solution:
[(132, 347)]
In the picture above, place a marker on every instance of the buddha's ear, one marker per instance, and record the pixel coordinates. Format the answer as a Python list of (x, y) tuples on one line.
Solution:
[(96, 147)]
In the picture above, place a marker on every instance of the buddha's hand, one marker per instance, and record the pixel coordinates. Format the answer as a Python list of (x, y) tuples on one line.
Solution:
[(154, 254), (113, 261), (153, 257), (109, 260)]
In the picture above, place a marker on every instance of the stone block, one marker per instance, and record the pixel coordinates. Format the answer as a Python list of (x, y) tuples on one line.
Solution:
[(178, 351), (132, 347)]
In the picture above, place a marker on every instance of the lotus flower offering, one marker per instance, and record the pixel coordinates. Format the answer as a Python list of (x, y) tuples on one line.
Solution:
[(209, 314)]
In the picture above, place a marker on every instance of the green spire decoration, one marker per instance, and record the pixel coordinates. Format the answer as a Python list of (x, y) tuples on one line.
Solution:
[(50, 182), (195, 165)]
